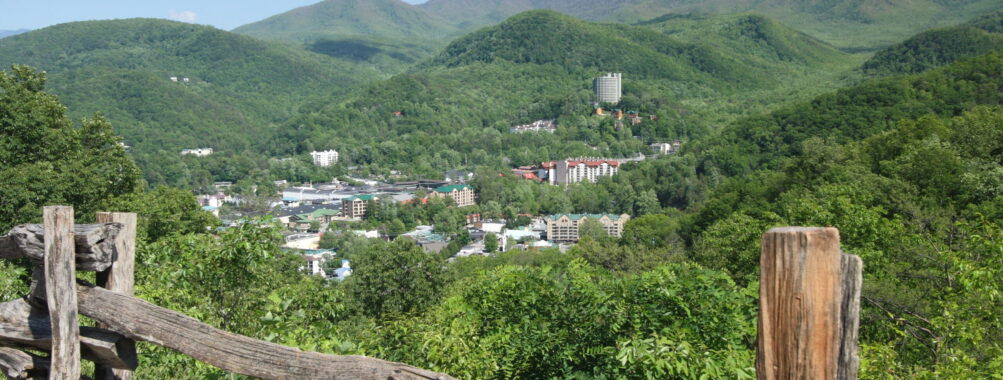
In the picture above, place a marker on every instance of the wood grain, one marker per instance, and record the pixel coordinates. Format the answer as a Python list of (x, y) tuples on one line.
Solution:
[(143, 321), (800, 303), (60, 291), (120, 277), (852, 269), (19, 365), (94, 244), (25, 325)]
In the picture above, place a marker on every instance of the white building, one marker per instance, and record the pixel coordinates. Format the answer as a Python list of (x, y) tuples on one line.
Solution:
[(325, 158), (667, 148), (582, 169), (536, 126), (314, 264), (198, 152), (607, 88)]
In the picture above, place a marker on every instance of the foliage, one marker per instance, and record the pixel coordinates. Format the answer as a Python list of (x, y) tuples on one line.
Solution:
[(938, 47), (541, 322), (239, 87), (456, 109), (395, 278), (851, 25), (490, 242), (388, 34), (617, 258), (47, 160), (163, 211)]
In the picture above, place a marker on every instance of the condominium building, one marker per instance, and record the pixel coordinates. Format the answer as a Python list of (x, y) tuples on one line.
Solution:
[(667, 148), (564, 227), (355, 206), (582, 169), (197, 152), (325, 158), (536, 126), (462, 195), (607, 88)]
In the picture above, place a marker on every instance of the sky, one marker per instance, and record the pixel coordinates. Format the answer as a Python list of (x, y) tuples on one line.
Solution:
[(223, 14)]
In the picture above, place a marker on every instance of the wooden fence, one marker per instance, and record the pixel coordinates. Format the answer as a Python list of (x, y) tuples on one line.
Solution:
[(46, 319), (809, 311)]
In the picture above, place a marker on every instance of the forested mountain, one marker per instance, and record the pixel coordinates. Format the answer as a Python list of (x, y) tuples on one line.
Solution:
[(373, 18), (539, 64), (388, 33), (237, 88), (909, 168), (846, 23), (8, 33), (939, 47)]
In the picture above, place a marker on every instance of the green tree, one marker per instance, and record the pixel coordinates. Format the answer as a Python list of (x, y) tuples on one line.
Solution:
[(163, 211), (396, 278), (45, 160), (647, 203), (651, 230), (490, 242), (593, 229)]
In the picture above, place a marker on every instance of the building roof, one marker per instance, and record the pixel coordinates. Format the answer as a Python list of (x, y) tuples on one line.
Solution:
[(318, 251), (593, 163), (319, 213), (362, 197), (305, 210), (450, 188), (580, 216)]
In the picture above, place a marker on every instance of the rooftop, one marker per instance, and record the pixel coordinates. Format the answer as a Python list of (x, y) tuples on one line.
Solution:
[(580, 216), (446, 189), (362, 197)]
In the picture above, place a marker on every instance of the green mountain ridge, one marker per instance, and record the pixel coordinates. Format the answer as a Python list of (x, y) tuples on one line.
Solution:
[(390, 34), (8, 33), (375, 18), (540, 64), (939, 47), (238, 87), (857, 24)]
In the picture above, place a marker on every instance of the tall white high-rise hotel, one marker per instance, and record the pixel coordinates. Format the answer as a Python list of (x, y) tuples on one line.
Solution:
[(607, 88)]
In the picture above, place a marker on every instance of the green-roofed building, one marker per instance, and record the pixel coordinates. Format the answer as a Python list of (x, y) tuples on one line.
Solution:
[(564, 227), (320, 215), (462, 194), (355, 206)]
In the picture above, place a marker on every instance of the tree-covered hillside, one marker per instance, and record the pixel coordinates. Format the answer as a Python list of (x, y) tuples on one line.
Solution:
[(8, 33), (938, 47), (238, 88), (374, 18), (390, 34), (847, 24), (539, 65)]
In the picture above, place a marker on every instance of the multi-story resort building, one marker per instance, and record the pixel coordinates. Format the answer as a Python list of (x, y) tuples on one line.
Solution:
[(197, 152), (325, 158), (462, 195), (536, 126), (607, 88), (582, 169), (355, 206), (564, 227)]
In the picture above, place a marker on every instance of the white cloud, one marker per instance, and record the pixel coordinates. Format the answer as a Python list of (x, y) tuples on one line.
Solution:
[(183, 16)]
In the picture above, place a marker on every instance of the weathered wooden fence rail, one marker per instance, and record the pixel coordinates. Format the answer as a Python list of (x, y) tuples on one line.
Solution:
[(808, 321), (46, 319)]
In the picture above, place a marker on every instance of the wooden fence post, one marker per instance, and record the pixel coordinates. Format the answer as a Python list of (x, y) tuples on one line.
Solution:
[(808, 306), (120, 277), (61, 291)]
